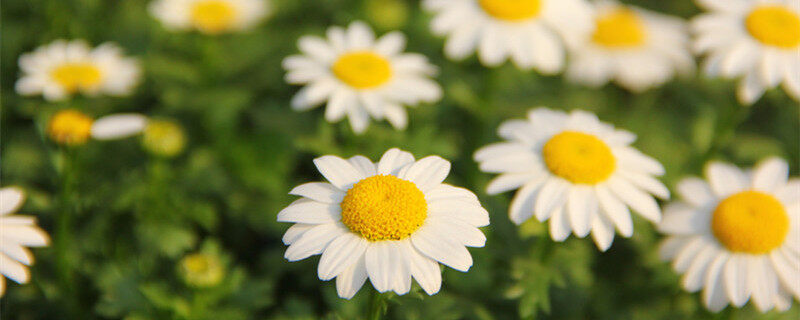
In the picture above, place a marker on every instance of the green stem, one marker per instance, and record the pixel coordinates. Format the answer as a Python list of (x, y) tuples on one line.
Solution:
[(377, 305), (63, 237)]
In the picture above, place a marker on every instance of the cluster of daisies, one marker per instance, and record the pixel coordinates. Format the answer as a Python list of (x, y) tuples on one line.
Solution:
[(735, 235)]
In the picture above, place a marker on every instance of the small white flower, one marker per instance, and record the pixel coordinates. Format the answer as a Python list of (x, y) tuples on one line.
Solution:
[(61, 69), (636, 48), (209, 16), (72, 127), (578, 172), (16, 234), (360, 76), (531, 32), (387, 221), (756, 40), (737, 236)]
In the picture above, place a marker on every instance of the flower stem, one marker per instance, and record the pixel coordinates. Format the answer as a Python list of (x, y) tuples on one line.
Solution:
[(63, 236), (378, 305)]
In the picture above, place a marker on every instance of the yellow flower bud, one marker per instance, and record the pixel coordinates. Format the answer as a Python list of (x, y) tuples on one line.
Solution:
[(164, 138), (387, 14), (202, 270)]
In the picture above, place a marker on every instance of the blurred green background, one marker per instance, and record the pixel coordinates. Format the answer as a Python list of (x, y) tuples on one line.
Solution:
[(135, 217)]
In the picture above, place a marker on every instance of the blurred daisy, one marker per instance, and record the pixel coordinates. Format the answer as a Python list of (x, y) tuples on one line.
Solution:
[(209, 16), (61, 69), (576, 171), (531, 32), (387, 221), (737, 236), (756, 40), (71, 127), (360, 76), (638, 49), (16, 234)]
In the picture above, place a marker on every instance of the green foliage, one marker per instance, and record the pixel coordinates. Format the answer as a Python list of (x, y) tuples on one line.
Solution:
[(134, 216)]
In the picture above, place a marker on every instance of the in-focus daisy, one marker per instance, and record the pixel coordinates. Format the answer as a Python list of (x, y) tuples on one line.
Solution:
[(387, 221), (756, 40), (578, 172), (209, 16), (636, 48), (16, 234), (737, 236), (531, 32), (61, 69), (71, 127), (360, 76)]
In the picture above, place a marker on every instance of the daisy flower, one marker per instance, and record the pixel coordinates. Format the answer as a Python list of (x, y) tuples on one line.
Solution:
[(72, 128), (755, 40), (360, 76), (209, 16), (577, 172), (737, 236), (16, 233), (60, 69), (387, 221), (636, 48), (531, 32)]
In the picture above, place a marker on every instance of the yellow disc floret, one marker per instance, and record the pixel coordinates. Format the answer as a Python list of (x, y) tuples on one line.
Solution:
[(750, 222), (384, 207), (213, 16), (70, 127), (579, 157), (511, 10), (362, 69), (774, 25), (619, 28), (77, 76)]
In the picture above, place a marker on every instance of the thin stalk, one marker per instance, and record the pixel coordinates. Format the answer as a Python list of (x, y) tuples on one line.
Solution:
[(378, 305)]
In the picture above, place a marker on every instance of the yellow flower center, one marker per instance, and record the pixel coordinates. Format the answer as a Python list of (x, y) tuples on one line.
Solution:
[(579, 157), (384, 207), (163, 138), (75, 76), (213, 16), (619, 28), (774, 26), (511, 10), (70, 127), (362, 69), (750, 222), (202, 270)]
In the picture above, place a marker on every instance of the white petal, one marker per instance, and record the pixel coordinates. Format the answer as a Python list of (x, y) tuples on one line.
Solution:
[(425, 270), (681, 219), (338, 171), (14, 270), (359, 35), (646, 183), (463, 41), (492, 49), (118, 126), (448, 192), (634, 160), (552, 196), (351, 280), (465, 211), (686, 254), (295, 232), (548, 55), (26, 235), (310, 212), (602, 232), (316, 48), (319, 191), (787, 272), (639, 201), (391, 43), (714, 295), (559, 225), (501, 150), (340, 254), (670, 247), (359, 118), (11, 198), (314, 241), (441, 249), (735, 275), (581, 208), (694, 278), (340, 102), (615, 210), (396, 115), (770, 174), (386, 267), (364, 165), (725, 179), (763, 283), (313, 94), (393, 160), (521, 207), (457, 230), (427, 173), (750, 89), (16, 252), (695, 191)]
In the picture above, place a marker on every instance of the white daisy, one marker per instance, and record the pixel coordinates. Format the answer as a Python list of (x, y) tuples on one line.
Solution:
[(531, 32), (61, 69), (16, 233), (387, 221), (578, 172), (756, 40), (71, 127), (360, 76), (737, 236), (209, 16), (637, 48)]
